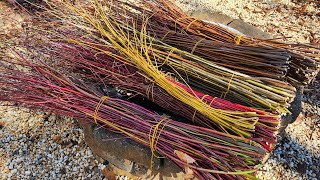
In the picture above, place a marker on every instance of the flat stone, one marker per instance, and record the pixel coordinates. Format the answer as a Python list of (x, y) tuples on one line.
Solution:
[(248, 29), (212, 16), (236, 24)]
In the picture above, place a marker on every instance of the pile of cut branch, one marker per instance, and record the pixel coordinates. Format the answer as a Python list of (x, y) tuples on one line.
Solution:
[(224, 93)]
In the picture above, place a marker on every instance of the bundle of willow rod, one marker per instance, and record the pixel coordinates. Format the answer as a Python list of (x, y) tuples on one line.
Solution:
[(149, 54), (240, 123), (211, 154), (257, 61), (299, 63), (102, 69)]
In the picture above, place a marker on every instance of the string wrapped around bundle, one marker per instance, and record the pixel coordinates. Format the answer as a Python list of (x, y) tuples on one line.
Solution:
[(214, 154), (112, 73), (149, 54)]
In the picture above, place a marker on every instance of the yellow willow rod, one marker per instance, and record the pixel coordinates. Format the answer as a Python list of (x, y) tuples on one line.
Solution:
[(141, 59)]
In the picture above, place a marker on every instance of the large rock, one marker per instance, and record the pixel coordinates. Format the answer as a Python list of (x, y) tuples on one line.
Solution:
[(295, 109), (128, 155)]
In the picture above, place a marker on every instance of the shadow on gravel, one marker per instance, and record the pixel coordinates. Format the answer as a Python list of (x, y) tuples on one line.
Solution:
[(296, 157), (312, 92)]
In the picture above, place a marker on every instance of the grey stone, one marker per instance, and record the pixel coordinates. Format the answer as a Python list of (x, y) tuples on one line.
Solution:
[(237, 24), (212, 16), (125, 153), (248, 29)]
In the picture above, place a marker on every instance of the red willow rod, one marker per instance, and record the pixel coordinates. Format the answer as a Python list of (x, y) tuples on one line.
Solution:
[(113, 72), (216, 154), (138, 60), (102, 69)]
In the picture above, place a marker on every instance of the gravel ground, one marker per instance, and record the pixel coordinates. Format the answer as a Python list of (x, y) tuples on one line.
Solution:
[(36, 145)]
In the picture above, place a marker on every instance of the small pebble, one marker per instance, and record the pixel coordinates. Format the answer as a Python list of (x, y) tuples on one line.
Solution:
[(27, 173)]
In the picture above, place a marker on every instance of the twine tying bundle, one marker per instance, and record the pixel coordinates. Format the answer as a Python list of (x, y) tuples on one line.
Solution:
[(153, 139), (95, 114)]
